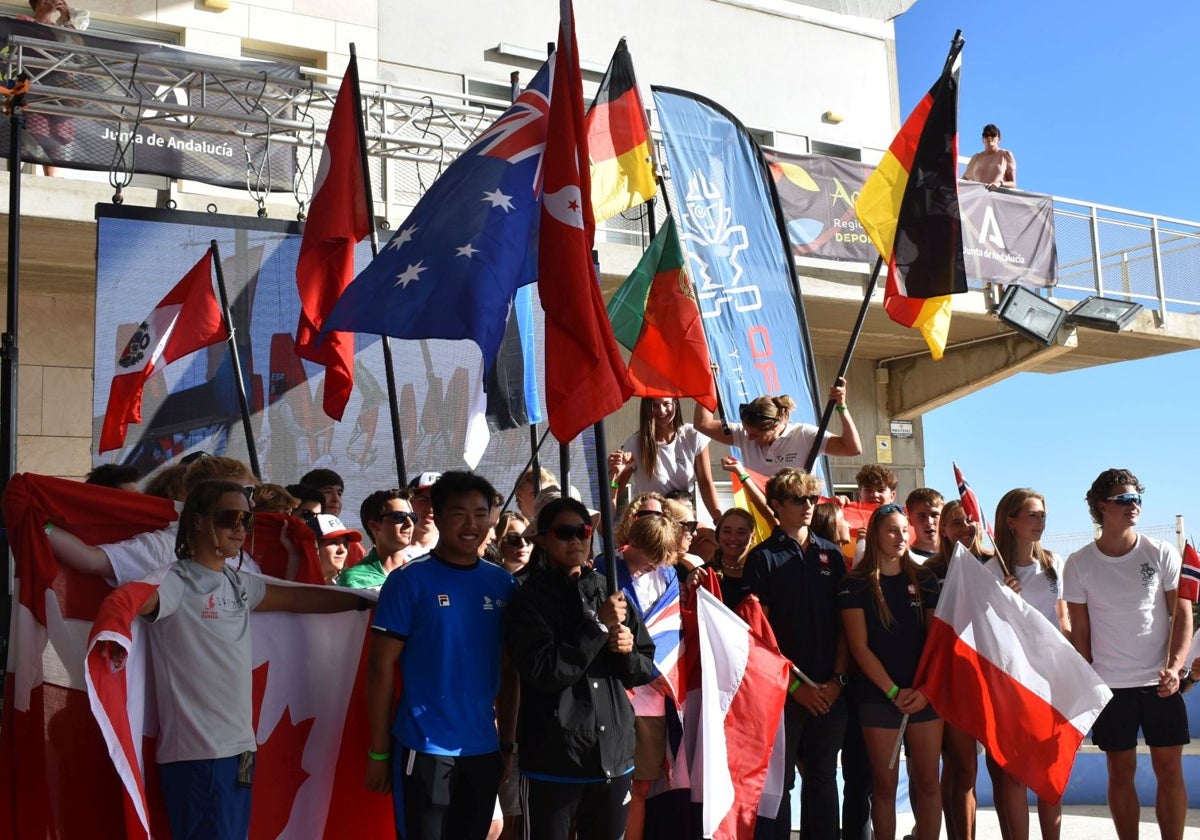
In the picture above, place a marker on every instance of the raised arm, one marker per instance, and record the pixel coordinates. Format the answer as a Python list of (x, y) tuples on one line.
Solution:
[(706, 423), (847, 444), (311, 599), (704, 483), (73, 552), (753, 493)]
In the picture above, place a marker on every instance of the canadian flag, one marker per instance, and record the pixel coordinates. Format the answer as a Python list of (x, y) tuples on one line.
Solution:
[(66, 772), (991, 659), (743, 690), (187, 319)]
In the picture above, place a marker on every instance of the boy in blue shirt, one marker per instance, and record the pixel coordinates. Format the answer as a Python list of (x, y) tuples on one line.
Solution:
[(442, 618)]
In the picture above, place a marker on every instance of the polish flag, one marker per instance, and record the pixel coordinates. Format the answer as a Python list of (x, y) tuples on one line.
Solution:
[(1189, 574), (991, 660), (744, 686), (187, 319)]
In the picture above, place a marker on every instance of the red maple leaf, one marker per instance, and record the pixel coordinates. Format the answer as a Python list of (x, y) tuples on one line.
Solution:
[(277, 766)]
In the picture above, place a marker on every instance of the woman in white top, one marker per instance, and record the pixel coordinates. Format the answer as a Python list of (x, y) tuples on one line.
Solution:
[(663, 455), (1036, 575), (769, 442)]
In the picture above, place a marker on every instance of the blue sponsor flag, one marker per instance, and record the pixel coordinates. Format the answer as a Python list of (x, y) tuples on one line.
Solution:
[(737, 255), (453, 267)]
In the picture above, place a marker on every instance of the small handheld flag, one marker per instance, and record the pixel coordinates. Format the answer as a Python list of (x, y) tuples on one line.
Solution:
[(1189, 574)]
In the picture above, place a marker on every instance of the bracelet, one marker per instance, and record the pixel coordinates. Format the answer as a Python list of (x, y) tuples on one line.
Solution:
[(841, 409), (47, 528), (612, 482), (744, 477), (508, 747), (383, 756), (792, 688), (892, 692)]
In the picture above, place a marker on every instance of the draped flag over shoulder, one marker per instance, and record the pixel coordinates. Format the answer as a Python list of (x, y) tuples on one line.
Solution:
[(337, 220), (586, 378), (737, 252), (909, 209), (619, 141), (654, 315), (184, 321), (970, 501), (1189, 575), (452, 268), (991, 659)]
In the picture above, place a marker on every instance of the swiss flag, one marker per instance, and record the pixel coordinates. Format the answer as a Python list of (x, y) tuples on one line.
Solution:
[(337, 220), (586, 378), (187, 319)]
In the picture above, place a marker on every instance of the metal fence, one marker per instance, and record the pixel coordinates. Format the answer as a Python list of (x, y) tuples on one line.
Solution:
[(1065, 544)]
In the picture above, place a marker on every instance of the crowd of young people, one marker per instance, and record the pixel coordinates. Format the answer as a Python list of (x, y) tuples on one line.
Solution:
[(535, 700)]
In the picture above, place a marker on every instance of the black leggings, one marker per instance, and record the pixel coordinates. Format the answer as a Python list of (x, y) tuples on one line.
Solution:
[(597, 808)]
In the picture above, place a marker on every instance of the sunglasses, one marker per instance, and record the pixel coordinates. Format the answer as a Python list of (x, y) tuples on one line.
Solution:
[(399, 517), (889, 509), (566, 533), (690, 526), (248, 491), (642, 513), (513, 541), (233, 519), (1126, 499), (813, 500)]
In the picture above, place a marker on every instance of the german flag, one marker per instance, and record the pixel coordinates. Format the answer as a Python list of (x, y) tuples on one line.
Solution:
[(654, 314), (619, 142), (909, 208)]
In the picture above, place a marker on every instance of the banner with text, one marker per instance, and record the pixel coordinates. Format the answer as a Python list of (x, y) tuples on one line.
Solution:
[(149, 142), (1008, 236)]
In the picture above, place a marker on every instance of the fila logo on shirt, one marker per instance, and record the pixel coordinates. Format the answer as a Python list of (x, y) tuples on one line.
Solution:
[(443, 600)]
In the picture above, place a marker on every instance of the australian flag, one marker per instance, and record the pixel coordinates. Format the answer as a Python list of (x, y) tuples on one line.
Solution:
[(452, 268)]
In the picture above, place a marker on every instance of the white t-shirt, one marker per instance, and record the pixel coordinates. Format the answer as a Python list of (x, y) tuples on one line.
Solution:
[(789, 449), (1127, 607), (143, 554), (675, 466), (1037, 589)]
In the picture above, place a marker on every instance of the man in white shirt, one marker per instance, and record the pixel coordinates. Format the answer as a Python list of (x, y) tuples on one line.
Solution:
[(1128, 621)]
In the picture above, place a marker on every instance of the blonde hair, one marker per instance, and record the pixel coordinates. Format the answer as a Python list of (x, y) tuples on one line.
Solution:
[(792, 482), (678, 509), (657, 536), (1006, 541), (629, 516), (273, 498), (868, 567), (213, 468), (765, 412)]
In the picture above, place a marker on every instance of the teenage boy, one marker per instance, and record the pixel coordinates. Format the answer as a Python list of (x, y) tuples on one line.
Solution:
[(924, 507), (425, 534), (388, 519), (442, 618), (1128, 621), (796, 575), (332, 488)]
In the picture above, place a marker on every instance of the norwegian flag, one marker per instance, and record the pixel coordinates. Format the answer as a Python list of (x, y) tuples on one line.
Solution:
[(970, 501), (1189, 574)]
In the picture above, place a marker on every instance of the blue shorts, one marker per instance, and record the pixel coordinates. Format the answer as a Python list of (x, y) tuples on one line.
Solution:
[(204, 800)]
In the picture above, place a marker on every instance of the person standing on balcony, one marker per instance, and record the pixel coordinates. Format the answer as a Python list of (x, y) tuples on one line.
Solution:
[(994, 167)]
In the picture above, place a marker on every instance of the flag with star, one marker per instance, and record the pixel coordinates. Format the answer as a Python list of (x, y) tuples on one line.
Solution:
[(452, 268)]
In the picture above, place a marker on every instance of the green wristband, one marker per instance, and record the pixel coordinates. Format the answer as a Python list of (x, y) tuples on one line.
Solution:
[(612, 482), (374, 756), (792, 688), (744, 477), (841, 409), (892, 692)]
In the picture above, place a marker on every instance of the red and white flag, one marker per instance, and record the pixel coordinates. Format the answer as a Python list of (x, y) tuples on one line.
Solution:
[(337, 221), (991, 660), (1189, 575), (187, 319), (586, 378), (744, 688), (970, 501)]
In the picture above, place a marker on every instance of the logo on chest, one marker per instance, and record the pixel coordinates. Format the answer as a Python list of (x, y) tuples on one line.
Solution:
[(443, 600), (1148, 573)]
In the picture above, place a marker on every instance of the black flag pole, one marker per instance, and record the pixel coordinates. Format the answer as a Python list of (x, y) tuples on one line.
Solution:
[(827, 414), (389, 367), (604, 500), (251, 449)]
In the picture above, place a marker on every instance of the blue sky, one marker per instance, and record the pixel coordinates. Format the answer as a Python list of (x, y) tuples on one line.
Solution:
[(1096, 103)]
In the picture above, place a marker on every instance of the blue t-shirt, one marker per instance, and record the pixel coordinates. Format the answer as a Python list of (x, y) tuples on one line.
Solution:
[(451, 619)]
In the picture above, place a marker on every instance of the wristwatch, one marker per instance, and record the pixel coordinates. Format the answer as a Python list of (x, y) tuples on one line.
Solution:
[(842, 679)]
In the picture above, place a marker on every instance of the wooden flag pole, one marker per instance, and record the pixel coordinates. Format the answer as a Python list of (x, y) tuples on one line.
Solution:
[(251, 448)]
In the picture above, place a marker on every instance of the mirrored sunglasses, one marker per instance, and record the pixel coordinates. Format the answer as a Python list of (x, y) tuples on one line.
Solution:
[(233, 519), (1126, 499)]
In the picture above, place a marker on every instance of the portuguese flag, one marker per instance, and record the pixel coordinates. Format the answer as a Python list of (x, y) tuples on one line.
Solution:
[(654, 315), (909, 208), (619, 142)]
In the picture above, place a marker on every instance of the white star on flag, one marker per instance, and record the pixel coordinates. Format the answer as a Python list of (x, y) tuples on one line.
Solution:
[(467, 251), (413, 272), (499, 199), (402, 237)]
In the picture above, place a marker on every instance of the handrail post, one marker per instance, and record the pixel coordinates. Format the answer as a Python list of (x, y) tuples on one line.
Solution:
[(1159, 284), (1096, 268)]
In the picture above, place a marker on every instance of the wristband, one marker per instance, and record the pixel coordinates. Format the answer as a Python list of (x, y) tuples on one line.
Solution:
[(47, 528), (792, 688), (508, 747), (744, 477), (612, 482), (841, 409), (383, 756), (892, 692)]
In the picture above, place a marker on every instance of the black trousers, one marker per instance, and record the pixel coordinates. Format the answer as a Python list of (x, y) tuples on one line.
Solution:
[(598, 809), (448, 797), (815, 741)]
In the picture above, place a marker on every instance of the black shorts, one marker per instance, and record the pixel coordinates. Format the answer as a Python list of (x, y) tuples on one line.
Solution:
[(1163, 720), (887, 716)]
